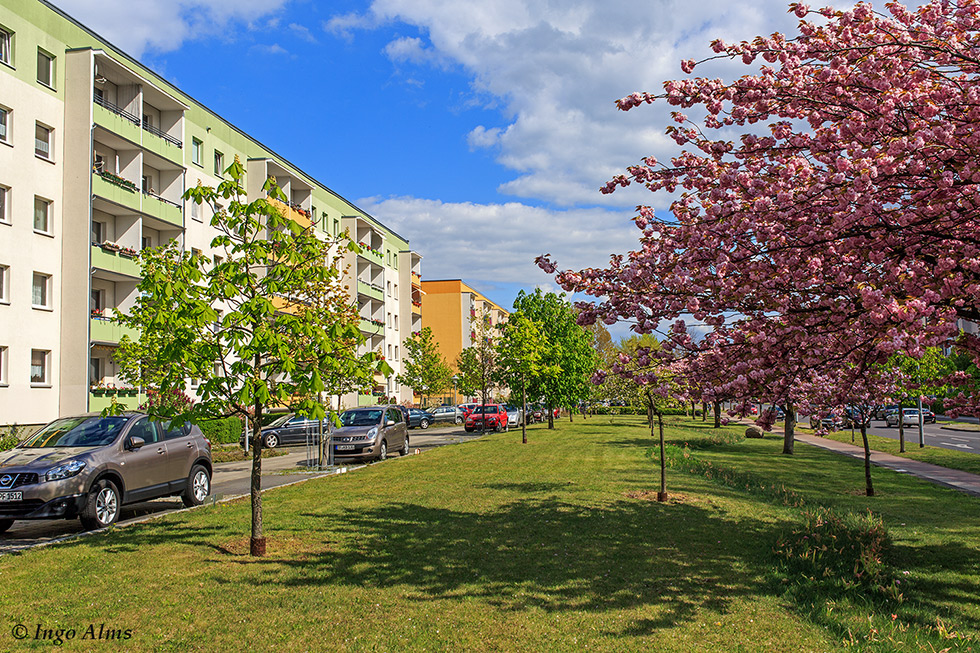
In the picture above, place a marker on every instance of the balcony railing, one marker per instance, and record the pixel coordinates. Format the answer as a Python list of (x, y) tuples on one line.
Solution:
[(162, 134), (105, 104), (164, 200)]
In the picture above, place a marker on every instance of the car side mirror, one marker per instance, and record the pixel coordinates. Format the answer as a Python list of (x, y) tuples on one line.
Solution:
[(390, 423), (135, 442)]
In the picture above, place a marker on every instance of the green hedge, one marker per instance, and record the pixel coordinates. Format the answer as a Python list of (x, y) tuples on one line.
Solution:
[(222, 431), (635, 410), (8, 442)]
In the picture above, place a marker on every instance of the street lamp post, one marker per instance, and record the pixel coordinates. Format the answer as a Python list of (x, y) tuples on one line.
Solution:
[(455, 379)]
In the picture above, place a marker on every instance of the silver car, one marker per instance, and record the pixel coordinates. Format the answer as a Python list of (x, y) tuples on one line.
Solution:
[(514, 415), (453, 414), (89, 466), (369, 433)]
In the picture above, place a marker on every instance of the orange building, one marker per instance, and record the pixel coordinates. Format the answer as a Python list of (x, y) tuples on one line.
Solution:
[(448, 305)]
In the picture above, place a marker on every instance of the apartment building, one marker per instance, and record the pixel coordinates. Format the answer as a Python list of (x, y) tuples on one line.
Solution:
[(448, 308), (96, 151)]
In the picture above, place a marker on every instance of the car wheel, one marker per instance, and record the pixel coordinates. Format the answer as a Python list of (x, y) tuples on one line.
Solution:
[(198, 487), (405, 447), (459, 420), (271, 441), (497, 428), (102, 508), (424, 424), (383, 451), (467, 429), (5, 524)]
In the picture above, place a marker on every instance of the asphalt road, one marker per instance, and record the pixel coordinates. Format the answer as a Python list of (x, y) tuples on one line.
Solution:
[(935, 435), (230, 479)]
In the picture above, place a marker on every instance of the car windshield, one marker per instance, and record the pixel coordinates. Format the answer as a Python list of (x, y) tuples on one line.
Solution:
[(279, 421), (78, 432), (491, 410), (360, 417)]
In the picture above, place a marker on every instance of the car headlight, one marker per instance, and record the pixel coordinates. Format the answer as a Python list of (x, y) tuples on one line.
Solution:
[(64, 470), (373, 433)]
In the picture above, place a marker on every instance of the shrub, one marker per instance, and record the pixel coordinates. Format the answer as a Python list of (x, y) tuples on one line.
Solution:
[(222, 431), (844, 551), (8, 442)]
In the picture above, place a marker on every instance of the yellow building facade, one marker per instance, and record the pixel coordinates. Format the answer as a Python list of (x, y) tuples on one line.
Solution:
[(448, 307)]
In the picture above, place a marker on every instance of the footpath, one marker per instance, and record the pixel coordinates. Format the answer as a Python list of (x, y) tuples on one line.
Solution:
[(952, 478)]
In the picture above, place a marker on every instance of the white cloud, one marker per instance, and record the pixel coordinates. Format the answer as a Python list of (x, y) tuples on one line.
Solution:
[(499, 242), (303, 32), (163, 25), (556, 66)]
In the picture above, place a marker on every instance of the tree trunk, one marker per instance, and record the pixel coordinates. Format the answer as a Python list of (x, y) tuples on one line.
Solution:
[(551, 417), (704, 411), (523, 412), (570, 411), (789, 429), (868, 487), (717, 410), (256, 544), (694, 411), (901, 427), (662, 494)]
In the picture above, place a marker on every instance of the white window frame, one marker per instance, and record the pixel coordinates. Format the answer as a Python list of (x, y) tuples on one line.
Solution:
[(4, 204), (6, 123), (196, 213), (46, 306), (41, 52), (4, 356), (49, 145), (6, 46), (219, 164), (48, 221), (4, 284), (45, 382), (197, 149)]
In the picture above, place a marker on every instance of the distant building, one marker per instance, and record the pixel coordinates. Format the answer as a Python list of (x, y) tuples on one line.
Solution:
[(448, 307)]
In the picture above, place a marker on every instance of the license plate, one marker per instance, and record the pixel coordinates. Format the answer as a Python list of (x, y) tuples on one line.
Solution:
[(345, 447), (11, 496)]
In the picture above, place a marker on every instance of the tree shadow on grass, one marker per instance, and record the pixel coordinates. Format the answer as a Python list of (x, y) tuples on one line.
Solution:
[(546, 553)]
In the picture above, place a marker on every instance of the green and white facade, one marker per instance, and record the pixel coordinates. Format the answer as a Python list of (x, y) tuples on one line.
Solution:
[(95, 153)]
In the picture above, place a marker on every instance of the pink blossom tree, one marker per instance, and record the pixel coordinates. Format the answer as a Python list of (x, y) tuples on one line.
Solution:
[(842, 226)]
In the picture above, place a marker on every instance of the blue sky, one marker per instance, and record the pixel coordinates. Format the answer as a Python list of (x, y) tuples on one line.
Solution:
[(481, 131)]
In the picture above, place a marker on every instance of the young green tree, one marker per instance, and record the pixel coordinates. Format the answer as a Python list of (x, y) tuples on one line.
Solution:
[(567, 353), (424, 369), (284, 324), (477, 364), (519, 351)]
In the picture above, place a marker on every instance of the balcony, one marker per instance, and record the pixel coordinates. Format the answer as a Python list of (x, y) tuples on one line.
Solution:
[(417, 308), (116, 120), (293, 211), (373, 255), (372, 326), (101, 399), (368, 290), (417, 280), (103, 329), (163, 144), (116, 190), (163, 209), (118, 262)]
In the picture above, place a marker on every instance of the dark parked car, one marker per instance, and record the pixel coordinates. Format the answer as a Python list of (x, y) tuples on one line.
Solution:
[(830, 422), (420, 418), (453, 414), (89, 466), (370, 433), (289, 429)]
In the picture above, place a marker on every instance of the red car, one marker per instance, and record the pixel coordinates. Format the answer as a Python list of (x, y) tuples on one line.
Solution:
[(491, 416)]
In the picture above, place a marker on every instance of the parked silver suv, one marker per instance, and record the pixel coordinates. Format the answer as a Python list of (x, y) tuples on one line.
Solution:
[(89, 466)]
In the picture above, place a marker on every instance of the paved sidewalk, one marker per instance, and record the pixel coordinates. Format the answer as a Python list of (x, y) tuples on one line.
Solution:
[(951, 478)]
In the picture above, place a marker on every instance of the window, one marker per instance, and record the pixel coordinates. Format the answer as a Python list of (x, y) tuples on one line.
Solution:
[(42, 215), (396, 291), (42, 141), (4, 203), (4, 125), (3, 366), (197, 149), (389, 352), (336, 227), (396, 329), (40, 291), (389, 289), (389, 323), (195, 211), (94, 371), (396, 352), (39, 366), (98, 232), (219, 163), (146, 242), (195, 252), (6, 43), (45, 68), (4, 284)]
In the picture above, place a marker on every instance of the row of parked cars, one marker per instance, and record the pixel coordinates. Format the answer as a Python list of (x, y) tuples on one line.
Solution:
[(889, 414)]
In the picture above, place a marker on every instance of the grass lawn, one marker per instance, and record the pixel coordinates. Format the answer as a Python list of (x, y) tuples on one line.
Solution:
[(968, 462), (491, 545)]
